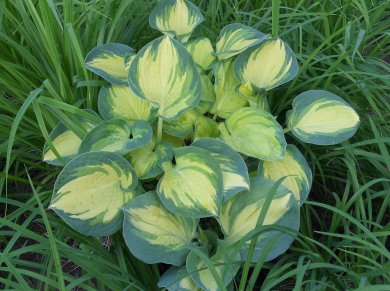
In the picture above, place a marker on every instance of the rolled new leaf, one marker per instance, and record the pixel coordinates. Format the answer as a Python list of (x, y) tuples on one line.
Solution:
[(108, 61), (240, 216), (255, 133), (164, 73), (227, 99), (91, 190), (176, 17), (235, 38), (234, 170), (192, 185), (66, 142), (296, 170), (201, 51), (155, 235), (226, 263), (322, 118), (267, 65), (117, 135), (147, 160), (177, 279), (121, 102)]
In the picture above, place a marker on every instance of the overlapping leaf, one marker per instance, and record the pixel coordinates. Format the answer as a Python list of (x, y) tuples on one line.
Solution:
[(155, 235), (90, 191)]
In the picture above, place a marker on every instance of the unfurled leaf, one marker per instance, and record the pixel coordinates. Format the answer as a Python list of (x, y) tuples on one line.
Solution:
[(226, 265), (227, 99), (117, 135), (147, 160), (66, 142), (176, 18), (120, 102), (255, 133), (192, 185), (320, 117), (108, 61), (155, 235), (240, 215), (201, 51), (206, 127), (163, 73), (177, 279), (235, 38), (296, 170), (234, 170), (208, 95), (267, 65), (90, 191)]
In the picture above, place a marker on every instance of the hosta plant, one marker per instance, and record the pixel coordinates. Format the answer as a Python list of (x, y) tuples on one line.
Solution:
[(166, 159)]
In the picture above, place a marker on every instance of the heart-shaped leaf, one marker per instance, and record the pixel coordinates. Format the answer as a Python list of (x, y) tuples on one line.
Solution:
[(267, 65), (108, 61), (235, 38), (176, 17), (227, 99), (155, 235), (320, 117), (255, 133), (120, 102), (117, 135), (164, 73), (240, 215), (147, 160), (90, 191), (296, 170), (234, 170), (192, 186)]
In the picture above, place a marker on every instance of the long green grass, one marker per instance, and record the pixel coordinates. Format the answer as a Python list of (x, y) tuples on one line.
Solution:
[(342, 47)]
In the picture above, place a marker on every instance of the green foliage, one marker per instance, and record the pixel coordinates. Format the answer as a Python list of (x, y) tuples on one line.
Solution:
[(63, 94)]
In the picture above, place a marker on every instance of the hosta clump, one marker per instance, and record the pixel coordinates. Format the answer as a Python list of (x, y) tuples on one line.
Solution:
[(183, 117)]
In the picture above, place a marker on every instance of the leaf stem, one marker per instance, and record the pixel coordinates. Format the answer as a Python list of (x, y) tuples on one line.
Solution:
[(159, 129), (286, 130)]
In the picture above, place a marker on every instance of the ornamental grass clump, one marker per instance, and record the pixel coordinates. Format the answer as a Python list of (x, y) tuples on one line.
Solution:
[(183, 119)]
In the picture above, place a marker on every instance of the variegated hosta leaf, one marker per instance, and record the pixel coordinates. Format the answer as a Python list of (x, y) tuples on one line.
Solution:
[(147, 160), (176, 17), (192, 186), (206, 127), (255, 133), (235, 38), (227, 99), (90, 191), (234, 170), (155, 235), (208, 95), (117, 135), (267, 65), (177, 279), (120, 102), (66, 142), (239, 216), (183, 126), (320, 117), (174, 141), (296, 170), (108, 61), (226, 265), (164, 73), (201, 51)]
